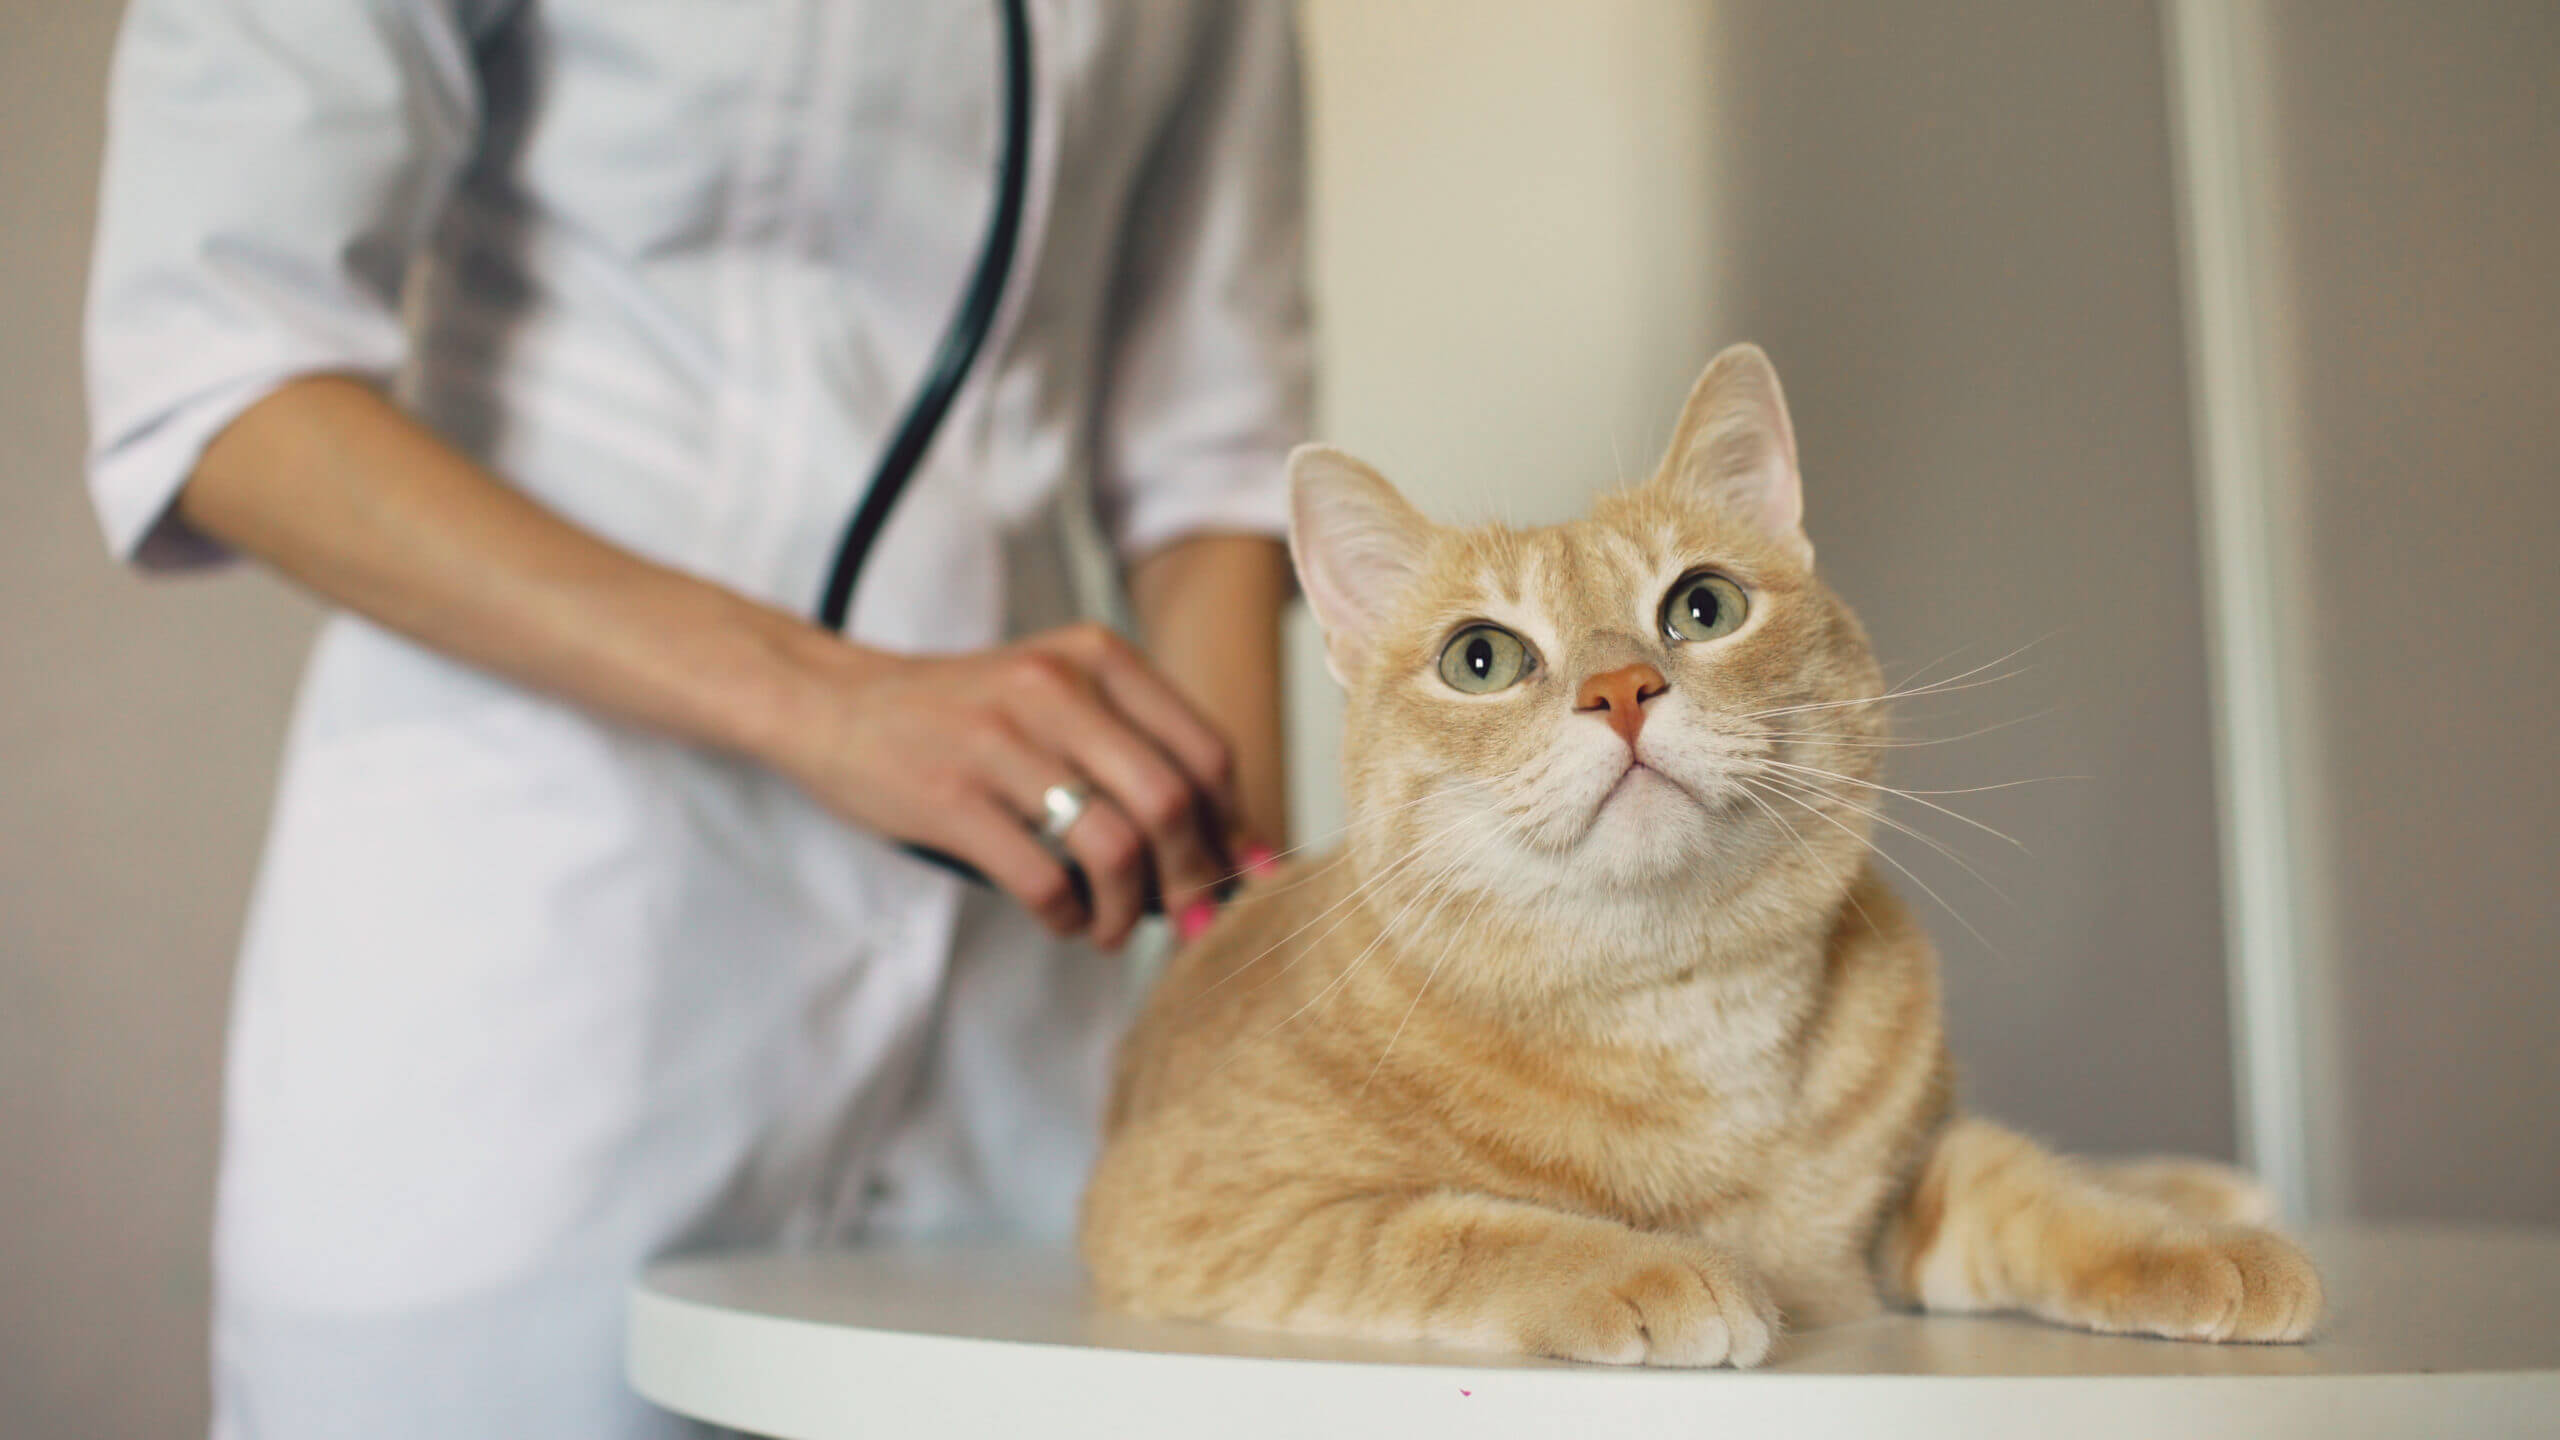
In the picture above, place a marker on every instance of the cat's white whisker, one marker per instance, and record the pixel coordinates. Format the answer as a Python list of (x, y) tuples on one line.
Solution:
[(1908, 692), (1386, 872), (1968, 645), (1939, 687), (1887, 857), (1426, 890), (1457, 936), (1856, 740), (1368, 816), (1921, 670), (1384, 931), (1956, 790), (1917, 797), (1847, 891), (1342, 831), (1403, 863), (1879, 817)]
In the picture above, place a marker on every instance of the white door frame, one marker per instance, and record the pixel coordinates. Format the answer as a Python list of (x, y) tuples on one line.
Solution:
[(2284, 1017)]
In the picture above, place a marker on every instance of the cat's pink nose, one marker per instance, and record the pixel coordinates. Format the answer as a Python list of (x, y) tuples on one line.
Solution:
[(1621, 693)]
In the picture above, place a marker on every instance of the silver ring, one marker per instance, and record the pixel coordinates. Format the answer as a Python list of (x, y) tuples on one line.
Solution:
[(1064, 804)]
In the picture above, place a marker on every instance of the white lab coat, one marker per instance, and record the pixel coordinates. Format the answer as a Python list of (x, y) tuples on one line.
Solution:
[(526, 997)]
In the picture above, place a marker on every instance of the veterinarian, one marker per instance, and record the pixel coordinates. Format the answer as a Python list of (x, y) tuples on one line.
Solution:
[(555, 342)]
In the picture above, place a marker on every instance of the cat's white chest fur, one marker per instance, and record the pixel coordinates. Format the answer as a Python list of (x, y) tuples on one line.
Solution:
[(1735, 1035)]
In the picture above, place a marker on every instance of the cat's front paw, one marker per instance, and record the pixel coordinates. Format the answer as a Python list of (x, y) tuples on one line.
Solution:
[(1650, 1300), (2227, 1282)]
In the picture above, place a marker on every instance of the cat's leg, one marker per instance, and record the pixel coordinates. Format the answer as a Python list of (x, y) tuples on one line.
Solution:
[(2198, 1189), (1468, 1270), (1995, 1222)]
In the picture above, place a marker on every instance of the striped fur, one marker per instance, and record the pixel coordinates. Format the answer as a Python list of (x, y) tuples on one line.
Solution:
[(1629, 1067)]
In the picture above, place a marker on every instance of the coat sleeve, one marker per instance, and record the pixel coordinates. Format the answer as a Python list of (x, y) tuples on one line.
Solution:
[(271, 166), (1210, 371)]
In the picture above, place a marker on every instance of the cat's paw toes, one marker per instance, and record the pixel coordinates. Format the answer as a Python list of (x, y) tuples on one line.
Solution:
[(2224, 1283), (1663, 1302)]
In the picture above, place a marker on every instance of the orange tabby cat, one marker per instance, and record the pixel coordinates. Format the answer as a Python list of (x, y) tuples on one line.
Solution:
[(1601, 1038)]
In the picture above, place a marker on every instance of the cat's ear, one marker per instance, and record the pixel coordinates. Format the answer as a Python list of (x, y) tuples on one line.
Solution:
[(1736, 447), (1357, 544)]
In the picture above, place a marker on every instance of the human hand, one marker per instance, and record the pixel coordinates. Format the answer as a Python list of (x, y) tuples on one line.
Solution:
[(954, 753)]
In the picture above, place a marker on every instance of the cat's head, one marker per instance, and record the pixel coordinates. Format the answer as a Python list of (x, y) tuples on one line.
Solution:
[(1612, 726)]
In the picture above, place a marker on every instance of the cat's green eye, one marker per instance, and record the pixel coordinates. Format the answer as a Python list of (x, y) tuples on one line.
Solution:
[(1484, 658), (1703, 606)]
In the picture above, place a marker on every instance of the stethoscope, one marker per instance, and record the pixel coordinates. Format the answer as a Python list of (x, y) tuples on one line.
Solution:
[(952, 360), (960, 343)]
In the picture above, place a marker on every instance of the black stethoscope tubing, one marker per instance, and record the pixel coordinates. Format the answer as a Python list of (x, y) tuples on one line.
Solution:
[(961, 342), (952, 361)]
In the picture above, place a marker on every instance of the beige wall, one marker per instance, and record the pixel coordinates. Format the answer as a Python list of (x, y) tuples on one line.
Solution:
[(2414, 196), (138, 727), (1954, 227)]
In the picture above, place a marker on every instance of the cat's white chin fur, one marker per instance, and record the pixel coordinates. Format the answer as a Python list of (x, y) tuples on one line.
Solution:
[(1641, 824), (1631, 829)]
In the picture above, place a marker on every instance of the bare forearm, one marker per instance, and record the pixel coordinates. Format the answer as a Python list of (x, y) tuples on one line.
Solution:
[(332, 485), (1209, 611)]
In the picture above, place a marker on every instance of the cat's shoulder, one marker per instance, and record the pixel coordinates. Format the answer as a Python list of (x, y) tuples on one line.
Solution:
[(1875, 932), (1267, 924)]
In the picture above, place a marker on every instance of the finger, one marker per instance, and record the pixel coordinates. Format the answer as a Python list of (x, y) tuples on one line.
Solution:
[(1113, 856), (1149, 789), (989, 835), (1107, 848), (1157, 709)]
